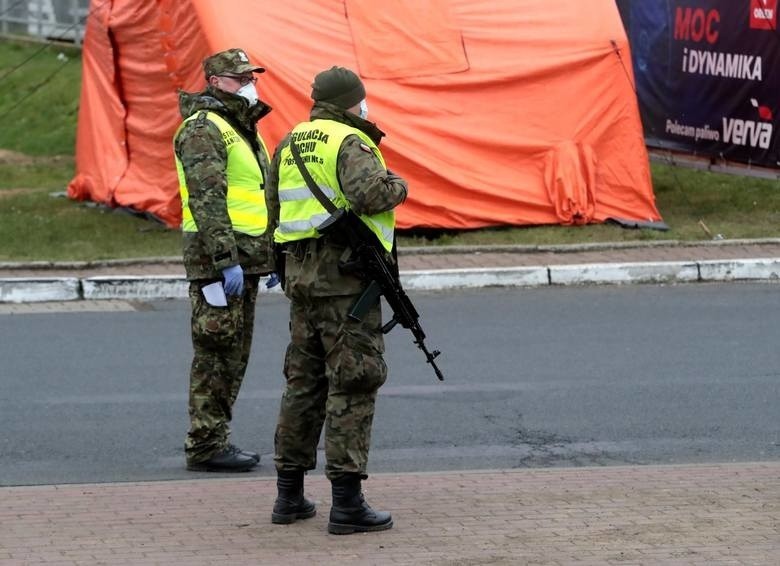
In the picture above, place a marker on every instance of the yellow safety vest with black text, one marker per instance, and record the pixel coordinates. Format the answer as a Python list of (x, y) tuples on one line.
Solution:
[(245, 196), (299, 210)]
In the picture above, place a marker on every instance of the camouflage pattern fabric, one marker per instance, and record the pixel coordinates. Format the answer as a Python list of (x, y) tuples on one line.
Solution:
[(203, 157), (333, 367), (221, 339), (231, 62)]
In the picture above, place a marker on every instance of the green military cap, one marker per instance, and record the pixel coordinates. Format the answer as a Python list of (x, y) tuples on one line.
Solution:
[(339, 86), (232, 62)]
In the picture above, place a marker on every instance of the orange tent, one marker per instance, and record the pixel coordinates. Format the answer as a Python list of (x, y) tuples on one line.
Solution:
[(498, 112)]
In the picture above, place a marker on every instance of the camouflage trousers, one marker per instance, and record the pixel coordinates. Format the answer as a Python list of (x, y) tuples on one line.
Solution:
[(221, 340), (333, 368)]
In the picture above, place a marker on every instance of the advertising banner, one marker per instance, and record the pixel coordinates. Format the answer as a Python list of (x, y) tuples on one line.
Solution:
[(708, 76)]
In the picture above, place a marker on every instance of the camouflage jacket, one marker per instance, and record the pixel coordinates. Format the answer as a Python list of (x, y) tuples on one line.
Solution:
[(311, 266), (201, 151)]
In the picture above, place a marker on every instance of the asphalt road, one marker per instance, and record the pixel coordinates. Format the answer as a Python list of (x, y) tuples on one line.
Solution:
[(535, 377)]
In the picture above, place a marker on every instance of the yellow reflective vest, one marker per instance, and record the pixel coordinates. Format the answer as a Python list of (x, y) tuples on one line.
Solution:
[(245, 197), (299, 210)]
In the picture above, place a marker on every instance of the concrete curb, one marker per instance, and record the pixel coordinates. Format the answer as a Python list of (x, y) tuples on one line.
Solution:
[(612, 273), (129, 287), (134, 287), (470, 278), (736, 270), (23, 290)]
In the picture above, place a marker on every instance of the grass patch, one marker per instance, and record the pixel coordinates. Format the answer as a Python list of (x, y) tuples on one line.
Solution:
[(733, 206), (37, 226), (39, 99), (37, 222), (52, 173)]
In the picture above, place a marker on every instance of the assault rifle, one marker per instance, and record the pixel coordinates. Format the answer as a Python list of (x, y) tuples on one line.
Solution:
[(370, 262), (383, 280)]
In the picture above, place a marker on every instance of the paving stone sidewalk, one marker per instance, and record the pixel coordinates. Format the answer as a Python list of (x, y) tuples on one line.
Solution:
[(682, 514)]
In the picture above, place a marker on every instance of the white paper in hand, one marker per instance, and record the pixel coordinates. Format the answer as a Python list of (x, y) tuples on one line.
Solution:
[(214, 294)]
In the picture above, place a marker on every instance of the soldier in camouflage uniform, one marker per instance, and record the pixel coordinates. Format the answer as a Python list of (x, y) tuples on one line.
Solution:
[(222, 165), (333, 365)]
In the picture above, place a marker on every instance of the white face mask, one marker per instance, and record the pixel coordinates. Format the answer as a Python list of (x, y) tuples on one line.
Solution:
[(363, 109), (248, 92)]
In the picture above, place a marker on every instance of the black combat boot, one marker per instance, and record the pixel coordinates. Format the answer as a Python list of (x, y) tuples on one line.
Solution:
[(227, 460), (350, 512), (290, 503)]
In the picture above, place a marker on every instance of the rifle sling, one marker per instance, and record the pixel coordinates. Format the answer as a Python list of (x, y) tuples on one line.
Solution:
[(325, 201)]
